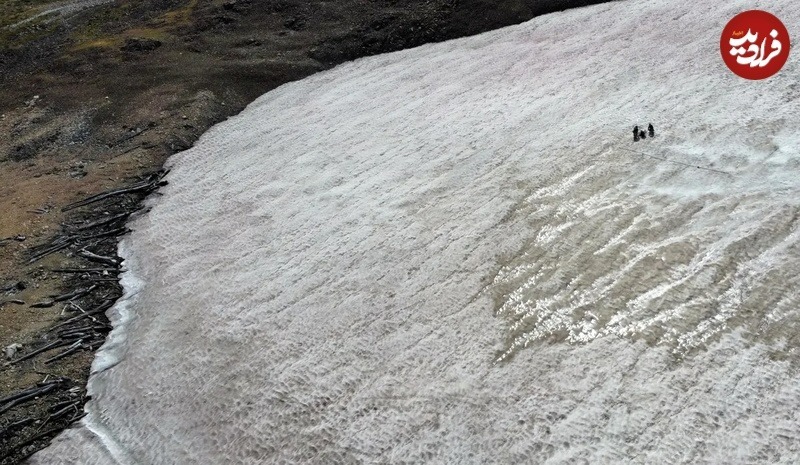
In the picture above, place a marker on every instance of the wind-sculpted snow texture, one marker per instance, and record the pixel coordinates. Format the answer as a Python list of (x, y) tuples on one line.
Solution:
[(449, 255)]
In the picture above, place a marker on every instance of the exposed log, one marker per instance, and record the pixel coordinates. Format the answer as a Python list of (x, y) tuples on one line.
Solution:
[(76, 346), (113, 232), (60, 405), (52, 345), (74, 294), (83, 270), (95, 344), (78, 416), (43, 304), (106, 221), (73, 406), (27, 397), (19, 394), (105, 306), (140, 187), (39, 255), (98, 258), (89, 327), (76, 335)]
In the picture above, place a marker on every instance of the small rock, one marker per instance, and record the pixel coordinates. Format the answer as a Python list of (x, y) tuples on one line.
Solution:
[(12, 350), (296, 23)]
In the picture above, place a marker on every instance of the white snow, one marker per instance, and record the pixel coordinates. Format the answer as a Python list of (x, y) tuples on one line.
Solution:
[(449, 255)]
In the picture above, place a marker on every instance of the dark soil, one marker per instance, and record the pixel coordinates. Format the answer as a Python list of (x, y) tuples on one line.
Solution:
[(92, 100)]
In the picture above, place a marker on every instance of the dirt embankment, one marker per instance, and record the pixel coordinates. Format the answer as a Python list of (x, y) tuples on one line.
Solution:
[(93, 96)]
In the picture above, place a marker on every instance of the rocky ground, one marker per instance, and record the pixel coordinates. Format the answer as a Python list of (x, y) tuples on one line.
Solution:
[(94, 96)]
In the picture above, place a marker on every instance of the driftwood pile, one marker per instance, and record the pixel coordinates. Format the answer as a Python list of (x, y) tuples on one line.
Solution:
[(86, 235), (90, 238)]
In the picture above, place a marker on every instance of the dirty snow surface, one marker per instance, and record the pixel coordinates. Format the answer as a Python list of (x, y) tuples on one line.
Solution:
[(450, 254)]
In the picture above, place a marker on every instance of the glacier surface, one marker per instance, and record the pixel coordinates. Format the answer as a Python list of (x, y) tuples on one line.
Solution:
[(456, 254)]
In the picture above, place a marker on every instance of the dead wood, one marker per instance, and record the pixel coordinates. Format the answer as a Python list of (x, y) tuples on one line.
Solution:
[(146, 186), (55, 248), (83, 270), (72, 406), (107, 221), (52, 345), (105, 305), (75, 294), (76, 346), (43, 304), (19, 394), (113, 232), (27, 397), (98, 258)]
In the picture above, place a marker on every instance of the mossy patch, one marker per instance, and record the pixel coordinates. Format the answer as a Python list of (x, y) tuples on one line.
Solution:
[(179, 17), (106, 27)]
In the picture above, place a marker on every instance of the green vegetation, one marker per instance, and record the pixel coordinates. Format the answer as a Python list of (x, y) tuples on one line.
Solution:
[(110, 25)]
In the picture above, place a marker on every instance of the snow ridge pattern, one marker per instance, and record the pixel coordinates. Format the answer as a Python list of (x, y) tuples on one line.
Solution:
[(457, 254)]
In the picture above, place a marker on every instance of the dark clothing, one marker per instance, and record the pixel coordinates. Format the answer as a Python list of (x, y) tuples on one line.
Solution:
[(651, 131), (642, 134), (635, 133)]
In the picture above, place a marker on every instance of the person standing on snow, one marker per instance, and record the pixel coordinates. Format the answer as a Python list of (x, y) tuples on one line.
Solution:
[(635, 133), (651, 131)]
